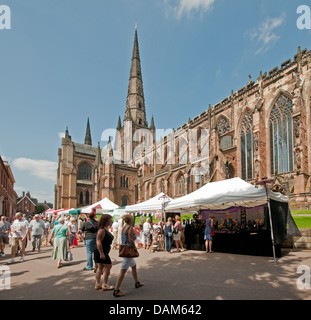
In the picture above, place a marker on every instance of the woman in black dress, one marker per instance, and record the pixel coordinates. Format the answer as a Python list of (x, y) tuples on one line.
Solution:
[(101, 255)]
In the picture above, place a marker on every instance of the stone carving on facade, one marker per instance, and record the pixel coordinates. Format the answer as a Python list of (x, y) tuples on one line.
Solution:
[(296, 122), (298, 158), (256, 141), (257, 168)]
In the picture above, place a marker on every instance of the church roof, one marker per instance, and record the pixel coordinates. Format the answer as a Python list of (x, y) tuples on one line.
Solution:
[(85, 149)]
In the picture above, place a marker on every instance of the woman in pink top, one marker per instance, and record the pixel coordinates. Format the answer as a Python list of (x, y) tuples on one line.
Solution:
[(177, 236)]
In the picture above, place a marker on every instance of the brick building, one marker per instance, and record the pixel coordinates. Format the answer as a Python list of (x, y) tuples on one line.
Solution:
[(261, 131), (27, 204), (7, 194)]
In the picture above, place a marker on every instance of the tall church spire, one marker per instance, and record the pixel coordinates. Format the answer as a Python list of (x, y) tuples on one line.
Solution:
[(88, 138), (135, 103)]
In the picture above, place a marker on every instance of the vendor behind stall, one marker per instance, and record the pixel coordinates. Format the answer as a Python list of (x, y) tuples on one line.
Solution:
[(228, 222)]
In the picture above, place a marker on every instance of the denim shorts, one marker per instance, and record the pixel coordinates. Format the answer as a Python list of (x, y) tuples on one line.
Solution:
[(128, 262)]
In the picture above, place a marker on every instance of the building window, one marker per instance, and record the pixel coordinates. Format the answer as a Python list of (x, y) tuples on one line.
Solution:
[(124, 201), (87, 198), (223, 126), (81, 197), (85, 172), (281, 136), (247, 146), (124, 182), (226, 143)]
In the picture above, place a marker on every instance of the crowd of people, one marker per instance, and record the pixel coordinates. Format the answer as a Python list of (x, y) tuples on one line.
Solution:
[(64, 233)]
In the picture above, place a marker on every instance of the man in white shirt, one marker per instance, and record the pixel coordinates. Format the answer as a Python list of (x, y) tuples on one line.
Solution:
[(20, 229)]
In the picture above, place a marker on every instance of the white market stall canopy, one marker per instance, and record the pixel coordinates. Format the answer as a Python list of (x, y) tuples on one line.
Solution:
[(225, 194), (153, 204), (104, 204)]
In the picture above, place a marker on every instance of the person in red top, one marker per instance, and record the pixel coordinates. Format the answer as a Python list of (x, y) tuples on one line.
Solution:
[(177, 236)]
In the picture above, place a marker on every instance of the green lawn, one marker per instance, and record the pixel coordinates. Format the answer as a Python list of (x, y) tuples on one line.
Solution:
[(294, 212), (303, 222)]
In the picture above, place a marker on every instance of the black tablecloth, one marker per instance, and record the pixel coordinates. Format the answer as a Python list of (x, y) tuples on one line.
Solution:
[(250, 243)]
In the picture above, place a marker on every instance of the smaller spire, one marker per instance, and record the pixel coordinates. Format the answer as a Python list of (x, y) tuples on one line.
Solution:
[(98, 159), (88, 138), (152, 123), (119, 125)]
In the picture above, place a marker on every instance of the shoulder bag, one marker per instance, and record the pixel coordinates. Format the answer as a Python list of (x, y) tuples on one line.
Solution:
[(126, 251), (176, 229)]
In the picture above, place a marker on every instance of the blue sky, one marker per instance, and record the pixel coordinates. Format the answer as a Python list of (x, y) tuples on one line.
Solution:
[(63, 60)]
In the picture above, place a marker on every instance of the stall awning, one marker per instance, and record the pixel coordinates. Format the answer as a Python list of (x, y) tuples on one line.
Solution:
[(104, 204), (225, 194), (153, 204)]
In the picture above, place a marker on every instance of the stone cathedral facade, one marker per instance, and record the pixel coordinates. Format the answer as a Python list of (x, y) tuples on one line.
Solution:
[(261, 131)]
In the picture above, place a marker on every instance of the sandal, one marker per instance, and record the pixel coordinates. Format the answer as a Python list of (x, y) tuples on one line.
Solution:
[(107, 287), (98, 287), (138, 284), (118, 293)]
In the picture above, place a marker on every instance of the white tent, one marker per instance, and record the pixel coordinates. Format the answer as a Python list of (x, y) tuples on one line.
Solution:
[(153, 204), (104, 204), (225, 194)]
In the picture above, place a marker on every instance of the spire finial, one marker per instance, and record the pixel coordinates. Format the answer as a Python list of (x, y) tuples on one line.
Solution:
[(135, 26), (88, 138)]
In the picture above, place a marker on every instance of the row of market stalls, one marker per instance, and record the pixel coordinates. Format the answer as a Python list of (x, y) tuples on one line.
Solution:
[(263, 216)]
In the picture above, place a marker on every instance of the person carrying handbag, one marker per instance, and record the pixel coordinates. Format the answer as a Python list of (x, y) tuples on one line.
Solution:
[(128, 239), (60, 234)]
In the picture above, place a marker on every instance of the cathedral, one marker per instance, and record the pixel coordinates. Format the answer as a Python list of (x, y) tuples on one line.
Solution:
[(261, 131)]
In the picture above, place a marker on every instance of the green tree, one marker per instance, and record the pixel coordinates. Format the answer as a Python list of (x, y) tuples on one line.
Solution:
[(40, 208)]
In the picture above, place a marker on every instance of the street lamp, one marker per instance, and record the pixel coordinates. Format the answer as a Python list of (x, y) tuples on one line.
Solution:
[(197, 179)]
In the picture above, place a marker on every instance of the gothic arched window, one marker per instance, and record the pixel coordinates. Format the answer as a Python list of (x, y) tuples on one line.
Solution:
[(84, 172), (87, 198), (124, 201), (223, 126), (247, 146), (281, 136)]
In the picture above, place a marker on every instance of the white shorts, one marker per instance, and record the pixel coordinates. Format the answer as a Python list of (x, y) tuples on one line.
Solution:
[(128, 262), (177, 236)]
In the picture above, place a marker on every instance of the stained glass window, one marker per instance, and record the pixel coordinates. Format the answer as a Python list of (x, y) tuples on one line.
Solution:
[(85, 172), (247, 146), (223, 126), (281, 136)]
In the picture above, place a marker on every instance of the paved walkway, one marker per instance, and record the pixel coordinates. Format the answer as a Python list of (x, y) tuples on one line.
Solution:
[(190, 275)]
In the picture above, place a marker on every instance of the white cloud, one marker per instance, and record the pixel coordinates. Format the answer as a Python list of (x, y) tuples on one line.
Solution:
[(42, 169), (185, 7), (61, 135), (265, 33)]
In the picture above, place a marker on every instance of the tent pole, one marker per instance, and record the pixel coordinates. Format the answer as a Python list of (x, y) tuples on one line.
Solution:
[(271, 226)]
